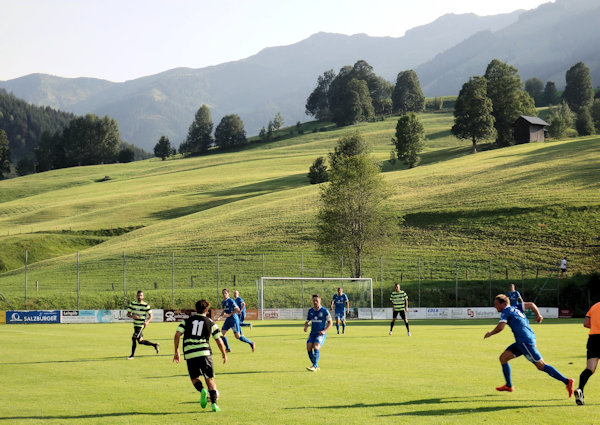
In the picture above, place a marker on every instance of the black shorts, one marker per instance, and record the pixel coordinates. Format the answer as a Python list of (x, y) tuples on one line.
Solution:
[(593, 346), (201, 366), (401, 312), (137, 329)]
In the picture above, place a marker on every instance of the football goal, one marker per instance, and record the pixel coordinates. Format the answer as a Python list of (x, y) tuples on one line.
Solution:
[(292, 296)]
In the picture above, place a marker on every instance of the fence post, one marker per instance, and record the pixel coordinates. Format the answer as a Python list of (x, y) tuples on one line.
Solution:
[(218, 276), (381, 279), (302, 282), (490, 282), (26, 258), (419, 258), (456, 281), (173, 278), (263, 265), (124, 284), (77, 280)]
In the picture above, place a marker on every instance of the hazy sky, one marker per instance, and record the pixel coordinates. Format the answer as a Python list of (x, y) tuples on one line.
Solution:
[(120, 40)]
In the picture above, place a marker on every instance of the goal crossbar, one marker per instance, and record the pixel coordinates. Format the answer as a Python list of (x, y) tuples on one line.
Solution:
[(347, 279)]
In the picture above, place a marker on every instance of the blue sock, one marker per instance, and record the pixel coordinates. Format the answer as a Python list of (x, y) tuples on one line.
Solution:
[(506, 372), (311, 357), (244, 339), (224, 338), (555, 374), (316, 356)]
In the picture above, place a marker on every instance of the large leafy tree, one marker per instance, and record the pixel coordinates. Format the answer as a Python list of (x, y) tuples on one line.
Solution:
[(560, 119), (4, 154), (354, 218), (595, 112), (199, 137), (317, 104), (508, 100), (230, 132), (410, 136), (407, 95), (473, 119), (163, 148), (90, 140), (579, 91)]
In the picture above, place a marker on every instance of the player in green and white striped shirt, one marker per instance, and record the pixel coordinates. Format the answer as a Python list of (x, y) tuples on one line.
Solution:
[(141, 314), (197, 331), (399, 301)]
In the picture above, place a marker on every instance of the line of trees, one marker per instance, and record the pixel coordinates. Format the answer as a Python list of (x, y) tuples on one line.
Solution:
[(357, 94)]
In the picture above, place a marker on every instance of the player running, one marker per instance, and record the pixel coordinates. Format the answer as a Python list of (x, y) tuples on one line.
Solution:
[(141, 314), (232, 321), (399, 301), (524, 344), (591, 321), (197, 330), (342, 308), (320, 320), (242, 305)]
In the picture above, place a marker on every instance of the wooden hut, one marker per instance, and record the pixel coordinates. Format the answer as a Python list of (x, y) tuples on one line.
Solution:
[(529, 129)]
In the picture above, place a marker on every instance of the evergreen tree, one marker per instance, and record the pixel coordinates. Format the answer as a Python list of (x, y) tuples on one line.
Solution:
[(535, 88), (595, 112), (162, 149), (317, 173), (410, 136), (199, 137), (473, 118), (584, 122), (550, 93), (508, 100), (579, 91), (317, 104), (561, 118), (407, 95), (4, 154)]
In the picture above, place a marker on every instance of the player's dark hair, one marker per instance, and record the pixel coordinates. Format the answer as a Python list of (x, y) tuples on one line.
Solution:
[(316, 295), (140, 292), (202, 306)]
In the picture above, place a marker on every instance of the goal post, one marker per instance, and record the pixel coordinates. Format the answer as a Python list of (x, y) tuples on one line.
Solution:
[(296, 292)]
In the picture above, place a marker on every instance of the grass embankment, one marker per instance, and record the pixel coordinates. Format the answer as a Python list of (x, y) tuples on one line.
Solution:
[(515, 210)]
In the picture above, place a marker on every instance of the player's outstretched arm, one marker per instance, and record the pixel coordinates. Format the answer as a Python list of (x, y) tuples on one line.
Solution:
[(496, 330)]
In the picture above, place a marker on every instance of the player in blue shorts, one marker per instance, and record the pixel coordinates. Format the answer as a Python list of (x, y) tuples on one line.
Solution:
[(524, 344), (342, 308), (242, 305), (320, 320), (232, 321), (516, 301)]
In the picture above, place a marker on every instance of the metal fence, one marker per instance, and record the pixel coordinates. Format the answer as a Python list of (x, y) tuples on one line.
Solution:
[(429, 281)]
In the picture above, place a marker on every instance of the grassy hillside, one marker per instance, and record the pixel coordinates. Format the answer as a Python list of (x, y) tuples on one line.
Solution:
[(515, 210)]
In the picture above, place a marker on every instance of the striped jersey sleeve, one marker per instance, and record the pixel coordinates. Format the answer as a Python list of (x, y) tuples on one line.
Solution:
[(197, 331), (141, 309), (399, 300)]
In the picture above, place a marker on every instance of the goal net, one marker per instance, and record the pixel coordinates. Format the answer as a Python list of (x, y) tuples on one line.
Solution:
[(291, 297)]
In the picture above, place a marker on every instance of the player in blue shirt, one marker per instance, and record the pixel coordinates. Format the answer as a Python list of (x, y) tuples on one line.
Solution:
[(320, 320), (517, 301), (524, 343), (342, 308), (232, 321), (242, 305)]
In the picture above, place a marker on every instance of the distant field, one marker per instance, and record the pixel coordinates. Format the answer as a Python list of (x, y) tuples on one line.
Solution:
[(515, 210), (444, 374)]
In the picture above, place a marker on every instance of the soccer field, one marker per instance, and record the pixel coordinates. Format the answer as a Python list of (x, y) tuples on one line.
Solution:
[(444, 374)]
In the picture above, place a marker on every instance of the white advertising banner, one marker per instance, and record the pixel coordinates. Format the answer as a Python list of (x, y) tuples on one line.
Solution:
[(448, 313), (285, 313)]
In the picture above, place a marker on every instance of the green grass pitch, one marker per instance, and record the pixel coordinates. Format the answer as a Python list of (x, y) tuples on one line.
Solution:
[(444, 374)]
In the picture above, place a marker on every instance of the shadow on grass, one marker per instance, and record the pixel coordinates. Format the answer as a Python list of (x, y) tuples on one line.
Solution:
[(441, 401), (9, 419)]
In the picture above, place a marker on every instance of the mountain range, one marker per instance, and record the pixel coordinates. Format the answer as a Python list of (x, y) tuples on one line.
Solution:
[(542, 43)]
